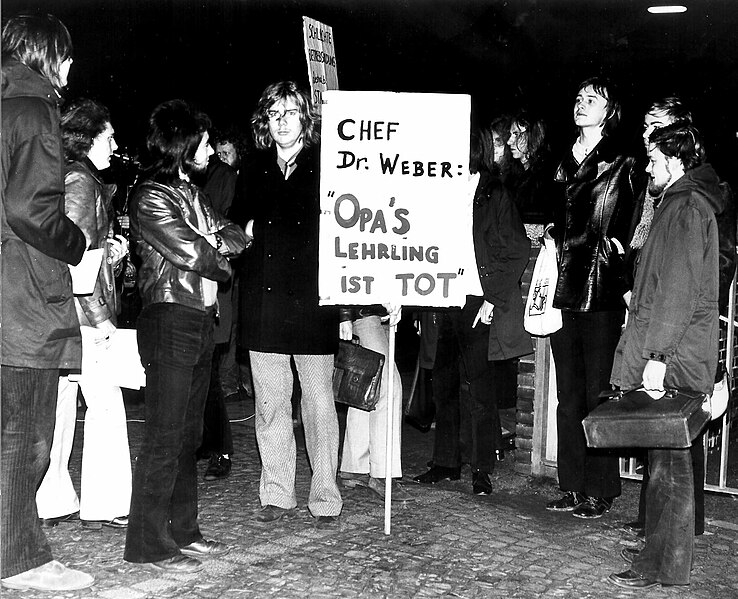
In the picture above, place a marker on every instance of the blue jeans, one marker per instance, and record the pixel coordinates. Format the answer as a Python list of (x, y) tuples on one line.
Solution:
[(176, 347), (28, 415), (667, 555)]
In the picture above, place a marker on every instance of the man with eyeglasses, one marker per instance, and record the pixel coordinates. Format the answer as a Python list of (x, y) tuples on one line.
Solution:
[(281, 320)]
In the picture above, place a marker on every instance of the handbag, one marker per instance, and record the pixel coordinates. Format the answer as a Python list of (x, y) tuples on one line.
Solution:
[(357, 375), (541, 318), (717, 402), (635, 419)]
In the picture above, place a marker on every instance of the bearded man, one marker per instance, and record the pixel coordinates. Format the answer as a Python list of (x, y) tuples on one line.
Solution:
[(671, 338)]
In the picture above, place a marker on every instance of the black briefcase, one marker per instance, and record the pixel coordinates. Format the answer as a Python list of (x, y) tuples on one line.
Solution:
[(635, 419), (357, 375)]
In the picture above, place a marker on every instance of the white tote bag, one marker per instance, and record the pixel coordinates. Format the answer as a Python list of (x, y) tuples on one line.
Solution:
[(541, 318)]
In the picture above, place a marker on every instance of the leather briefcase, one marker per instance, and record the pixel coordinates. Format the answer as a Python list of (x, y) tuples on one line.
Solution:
[(357, 375), (635, 419)]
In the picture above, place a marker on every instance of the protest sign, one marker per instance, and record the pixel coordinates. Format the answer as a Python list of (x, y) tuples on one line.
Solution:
[(396, 200), (320, 54)]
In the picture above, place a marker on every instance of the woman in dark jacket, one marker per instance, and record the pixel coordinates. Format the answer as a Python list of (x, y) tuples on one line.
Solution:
[(476, 343), (280, 316), (590, 233)]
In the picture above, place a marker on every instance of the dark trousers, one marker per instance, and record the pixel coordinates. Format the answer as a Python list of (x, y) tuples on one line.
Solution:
[(216, 432), (667, 554), (583, 351), (176, 347), (465, 393), (28, 415), (697, 453)]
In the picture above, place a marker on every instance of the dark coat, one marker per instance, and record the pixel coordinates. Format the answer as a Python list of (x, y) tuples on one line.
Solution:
[(39, 321), (674, 307), (278, 295), (599, 201), (502, 250), (220, 187), (87, 202)]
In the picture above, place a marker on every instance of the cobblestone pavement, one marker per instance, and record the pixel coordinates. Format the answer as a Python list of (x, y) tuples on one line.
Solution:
[(447, 543)]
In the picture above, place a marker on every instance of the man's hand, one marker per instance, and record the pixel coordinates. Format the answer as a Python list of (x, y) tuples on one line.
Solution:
[(394, 312), (346, 330), (653, 378)]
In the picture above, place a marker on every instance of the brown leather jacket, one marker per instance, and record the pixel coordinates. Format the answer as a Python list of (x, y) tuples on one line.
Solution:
[(174, 256), (87, 201)]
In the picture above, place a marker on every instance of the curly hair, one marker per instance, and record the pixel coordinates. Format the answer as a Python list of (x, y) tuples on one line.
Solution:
[(41, 42), (278, 92), (535, 131), (507, 166), (81, 122), (175, 132), (682, 141)]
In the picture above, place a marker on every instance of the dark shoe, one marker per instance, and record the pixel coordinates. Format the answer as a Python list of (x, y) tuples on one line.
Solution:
[(205, 548), (326, 522), (568, 503), (399, 494), (438, 473), (178, 564), (51, 576), (628, 553), (119, 522), (636, 527), (593, 508), (351, 480), (632, 580), (271, 513), (481, 485), (219, 467), (52, 522)]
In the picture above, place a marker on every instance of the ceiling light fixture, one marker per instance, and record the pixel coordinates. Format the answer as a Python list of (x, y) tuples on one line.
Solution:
[(663, 10)]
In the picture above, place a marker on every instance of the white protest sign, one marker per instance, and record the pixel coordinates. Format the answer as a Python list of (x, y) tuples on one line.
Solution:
[(320, 54), (396, 200)]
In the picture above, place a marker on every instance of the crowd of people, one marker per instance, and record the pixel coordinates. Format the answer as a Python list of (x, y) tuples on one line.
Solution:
[(226, 251)]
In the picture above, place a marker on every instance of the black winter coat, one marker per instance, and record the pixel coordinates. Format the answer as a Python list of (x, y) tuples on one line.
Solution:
[(39, 321), (278, 297), (502, 250), (599, 201)]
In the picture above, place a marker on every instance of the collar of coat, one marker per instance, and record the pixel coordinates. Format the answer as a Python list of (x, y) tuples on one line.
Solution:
[(604, 152)]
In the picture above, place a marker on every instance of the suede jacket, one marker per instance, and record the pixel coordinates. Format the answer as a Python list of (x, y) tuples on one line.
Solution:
[(88, 203), (39, 322), (175, 256), (599, 199)]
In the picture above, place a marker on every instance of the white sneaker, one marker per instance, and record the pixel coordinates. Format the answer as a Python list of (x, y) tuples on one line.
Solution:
[(51, 576)]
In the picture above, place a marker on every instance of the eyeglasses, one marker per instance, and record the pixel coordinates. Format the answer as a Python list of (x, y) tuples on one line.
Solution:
[(276, 115)]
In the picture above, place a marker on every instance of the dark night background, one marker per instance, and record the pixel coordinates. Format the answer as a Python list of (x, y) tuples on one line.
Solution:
[(220, 54)]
